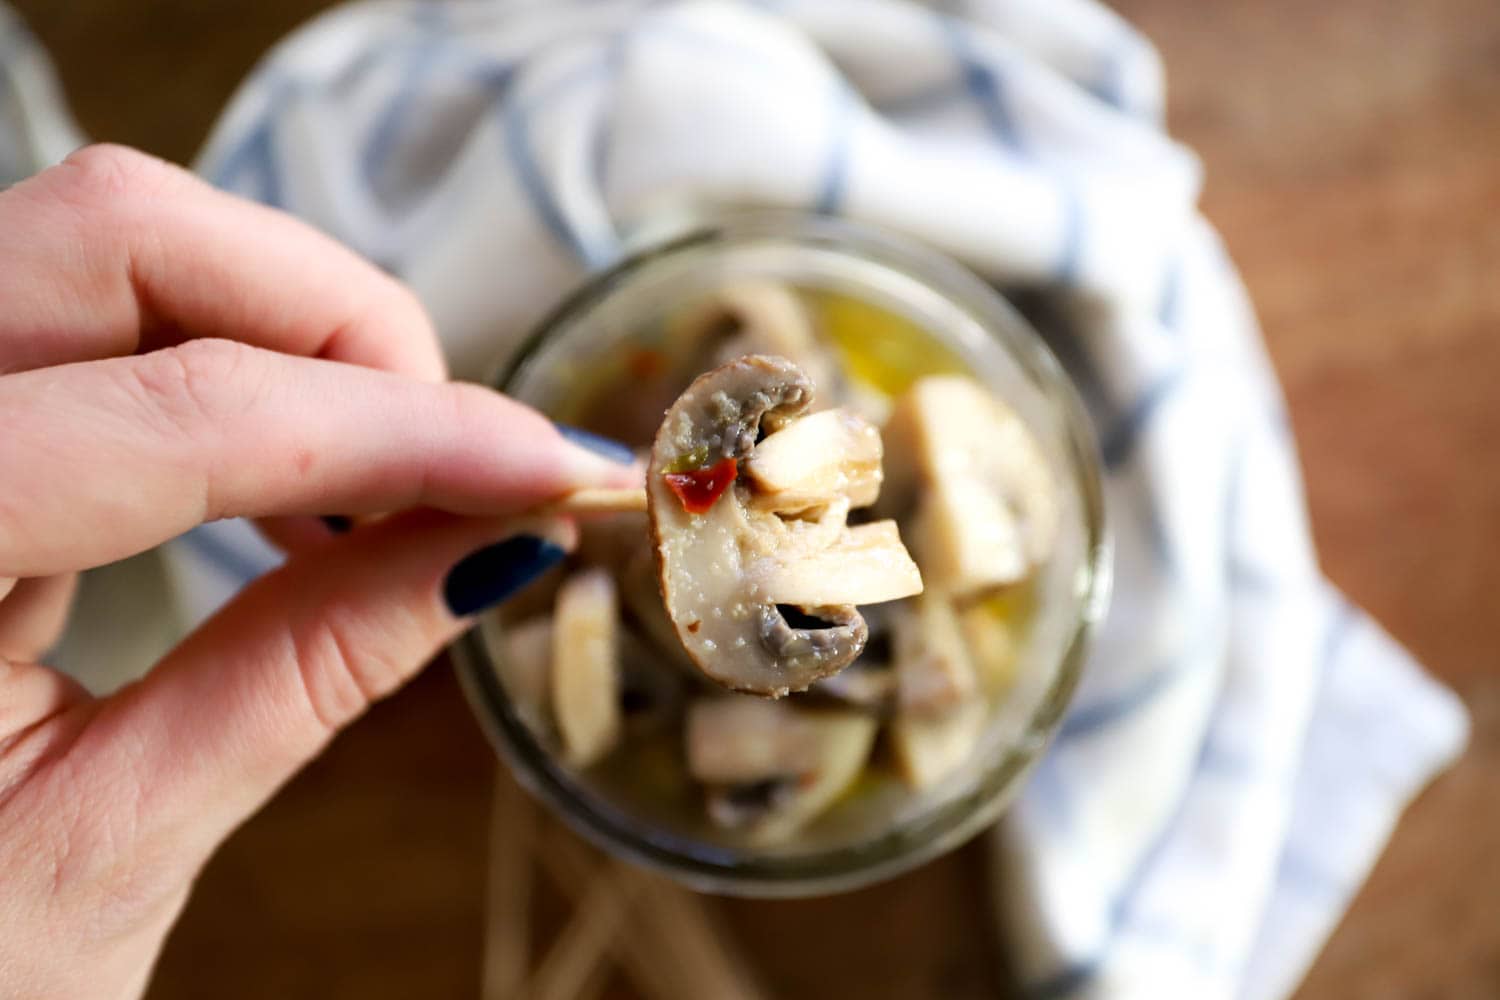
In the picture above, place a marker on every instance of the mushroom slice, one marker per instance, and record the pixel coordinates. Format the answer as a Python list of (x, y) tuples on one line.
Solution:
[(927, 750), (992, 647), (864, 684), (751, 317), (736, 740), (835, 452), (934, 671), (737, 807), (586, 667), (706, 534), (524, 665), (774, 809), (867, 565), (987, 507)]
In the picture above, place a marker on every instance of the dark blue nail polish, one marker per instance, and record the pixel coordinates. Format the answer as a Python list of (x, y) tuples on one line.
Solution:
[(605, 447), (497, 571), (338, 524)]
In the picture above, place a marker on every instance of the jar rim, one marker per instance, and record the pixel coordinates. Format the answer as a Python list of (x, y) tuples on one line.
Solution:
[(740, 871)]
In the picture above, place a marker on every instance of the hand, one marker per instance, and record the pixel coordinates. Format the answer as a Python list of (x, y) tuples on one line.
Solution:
[(325, 395)]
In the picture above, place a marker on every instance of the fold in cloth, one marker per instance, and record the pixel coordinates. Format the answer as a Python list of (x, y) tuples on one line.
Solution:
[(1243, 739)]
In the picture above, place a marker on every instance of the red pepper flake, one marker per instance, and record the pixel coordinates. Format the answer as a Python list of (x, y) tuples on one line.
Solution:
[(699, 489)]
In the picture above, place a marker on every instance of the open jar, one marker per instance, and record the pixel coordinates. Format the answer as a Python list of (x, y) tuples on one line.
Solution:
[(876, 317)]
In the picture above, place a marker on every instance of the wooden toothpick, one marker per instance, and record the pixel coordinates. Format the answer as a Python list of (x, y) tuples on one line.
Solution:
[(597, 501)]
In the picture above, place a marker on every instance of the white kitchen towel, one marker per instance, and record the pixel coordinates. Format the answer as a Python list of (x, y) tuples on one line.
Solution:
[(1244, 739)]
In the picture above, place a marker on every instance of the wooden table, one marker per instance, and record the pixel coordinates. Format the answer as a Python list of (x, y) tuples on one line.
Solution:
[(1353, 162)]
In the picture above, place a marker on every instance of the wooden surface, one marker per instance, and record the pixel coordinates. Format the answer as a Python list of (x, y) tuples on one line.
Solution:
[(1353, 164)]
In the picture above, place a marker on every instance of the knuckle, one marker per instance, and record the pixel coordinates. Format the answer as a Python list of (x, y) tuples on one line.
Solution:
[(111, 176), (344, 662), (191, 387)]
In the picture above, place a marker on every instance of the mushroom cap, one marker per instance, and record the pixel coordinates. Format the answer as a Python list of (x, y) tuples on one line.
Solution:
[(730, 629)]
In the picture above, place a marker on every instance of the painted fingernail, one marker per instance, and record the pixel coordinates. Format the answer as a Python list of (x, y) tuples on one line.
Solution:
[(605, 447), (338, 523), (487, 577)]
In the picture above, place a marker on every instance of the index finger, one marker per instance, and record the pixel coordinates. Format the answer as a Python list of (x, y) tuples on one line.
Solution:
[(103, 459), (114, 251)]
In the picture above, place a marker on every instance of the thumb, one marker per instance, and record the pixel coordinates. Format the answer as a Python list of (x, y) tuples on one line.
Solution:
[(259, 690)]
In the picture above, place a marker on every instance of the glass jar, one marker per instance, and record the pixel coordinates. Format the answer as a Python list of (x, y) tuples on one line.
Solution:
[(608, 322)]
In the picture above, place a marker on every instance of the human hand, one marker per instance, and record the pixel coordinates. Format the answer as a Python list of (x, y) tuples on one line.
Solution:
[(325, 395)]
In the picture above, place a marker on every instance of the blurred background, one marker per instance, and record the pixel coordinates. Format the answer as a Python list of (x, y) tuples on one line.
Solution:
[(1352, 151)]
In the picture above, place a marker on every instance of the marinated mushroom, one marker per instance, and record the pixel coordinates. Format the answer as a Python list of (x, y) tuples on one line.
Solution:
[(979, 491), (865, 684), (992, 646), (934, 670), (586, 667), (770, 768), (762, 594), (930, 748), (734, 740), (948, 662), (524, 663)]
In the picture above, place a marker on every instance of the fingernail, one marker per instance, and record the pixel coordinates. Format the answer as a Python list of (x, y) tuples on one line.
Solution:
[(338, 523), (605, 447), (487, 577)]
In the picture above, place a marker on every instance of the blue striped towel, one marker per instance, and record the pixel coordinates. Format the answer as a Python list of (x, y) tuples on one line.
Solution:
[(1244, 739)]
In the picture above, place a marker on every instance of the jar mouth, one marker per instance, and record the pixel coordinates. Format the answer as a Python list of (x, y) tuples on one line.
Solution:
[(904, 843)]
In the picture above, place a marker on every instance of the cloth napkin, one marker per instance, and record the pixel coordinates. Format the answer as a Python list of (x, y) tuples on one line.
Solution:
[(1244, 739)]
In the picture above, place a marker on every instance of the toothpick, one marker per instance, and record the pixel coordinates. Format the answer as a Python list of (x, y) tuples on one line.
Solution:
[(597, 501)]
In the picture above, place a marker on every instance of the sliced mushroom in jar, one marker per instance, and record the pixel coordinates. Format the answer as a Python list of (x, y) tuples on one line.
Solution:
[(774, 807), (738, 740), (868, 685), (929, 749), (586, 667), (985, 505), (992, 646), (722, 560), (934, 669), (524, 663)]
